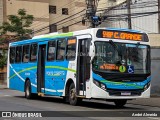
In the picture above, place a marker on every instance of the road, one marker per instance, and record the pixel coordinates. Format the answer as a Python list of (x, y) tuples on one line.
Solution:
[(11, 100)]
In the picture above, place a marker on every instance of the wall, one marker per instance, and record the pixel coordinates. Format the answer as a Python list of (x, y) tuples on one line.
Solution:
[(37, 8), (155, 71), (73, 17), (144, 22), (1, 12)]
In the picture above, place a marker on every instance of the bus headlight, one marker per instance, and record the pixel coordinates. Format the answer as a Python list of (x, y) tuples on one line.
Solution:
[(146, 86), (99, 84)]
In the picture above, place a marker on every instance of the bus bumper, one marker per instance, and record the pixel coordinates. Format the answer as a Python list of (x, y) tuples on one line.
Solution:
[(102, 94)]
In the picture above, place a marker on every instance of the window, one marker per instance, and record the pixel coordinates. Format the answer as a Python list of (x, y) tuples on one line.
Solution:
[(65, 29), (12, 54), (61, 49), (64, 11), (53, 28), (18, 54), (71, 49), (52, 9), (33, 56), (51, 50), (25, 53)]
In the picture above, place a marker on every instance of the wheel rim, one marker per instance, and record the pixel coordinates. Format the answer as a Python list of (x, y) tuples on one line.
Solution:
[(27, 91), (73, 94)]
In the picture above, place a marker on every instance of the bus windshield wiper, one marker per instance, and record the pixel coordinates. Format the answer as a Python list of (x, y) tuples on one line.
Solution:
[(115, 47), (137, 45)]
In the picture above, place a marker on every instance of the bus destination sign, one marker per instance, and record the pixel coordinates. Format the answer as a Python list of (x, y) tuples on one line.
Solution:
[(123, 35)]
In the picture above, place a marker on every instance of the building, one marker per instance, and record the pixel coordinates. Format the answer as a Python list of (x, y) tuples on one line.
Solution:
[(37, 8), (143, 12), (1, 12), (66, 15)]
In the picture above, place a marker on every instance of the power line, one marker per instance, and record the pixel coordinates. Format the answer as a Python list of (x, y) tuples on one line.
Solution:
[(59, 21), (58, 11), (71, 24)]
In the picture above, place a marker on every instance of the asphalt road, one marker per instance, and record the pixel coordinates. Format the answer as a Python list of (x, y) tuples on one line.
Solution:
[(11, 100)]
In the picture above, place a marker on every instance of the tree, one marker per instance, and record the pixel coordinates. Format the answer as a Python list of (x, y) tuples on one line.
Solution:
[(18, 24), (3, 59)]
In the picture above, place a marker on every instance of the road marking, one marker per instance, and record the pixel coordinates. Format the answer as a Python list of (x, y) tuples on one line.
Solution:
[(154, 118), (7, 95)]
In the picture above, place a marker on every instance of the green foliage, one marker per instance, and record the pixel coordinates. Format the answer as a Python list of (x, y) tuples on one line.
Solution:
[(18, 24), (3, 59)]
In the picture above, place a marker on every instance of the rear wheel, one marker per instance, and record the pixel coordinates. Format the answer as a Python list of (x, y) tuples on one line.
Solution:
[(73, 100), (120, 103)]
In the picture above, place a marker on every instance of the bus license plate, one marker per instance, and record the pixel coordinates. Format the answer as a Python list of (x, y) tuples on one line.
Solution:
[(126, 93)]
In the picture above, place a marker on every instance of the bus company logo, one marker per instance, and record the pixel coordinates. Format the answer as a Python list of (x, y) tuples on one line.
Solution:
[(55, 73), (6, 114)]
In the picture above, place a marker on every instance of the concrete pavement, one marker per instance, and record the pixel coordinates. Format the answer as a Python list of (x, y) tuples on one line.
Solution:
[(153, 102)]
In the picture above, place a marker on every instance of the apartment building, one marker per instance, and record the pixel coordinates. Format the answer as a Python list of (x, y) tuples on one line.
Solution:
[(66, 15), (1, 12), (37, 8)]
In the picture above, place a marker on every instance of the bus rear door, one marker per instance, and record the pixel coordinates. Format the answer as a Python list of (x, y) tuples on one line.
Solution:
[(41, 68)]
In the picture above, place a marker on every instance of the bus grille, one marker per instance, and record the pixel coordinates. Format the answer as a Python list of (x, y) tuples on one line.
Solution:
[(118, 92)]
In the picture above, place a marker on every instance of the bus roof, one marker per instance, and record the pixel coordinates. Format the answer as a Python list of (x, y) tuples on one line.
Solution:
[(50, 36), (43, 38)]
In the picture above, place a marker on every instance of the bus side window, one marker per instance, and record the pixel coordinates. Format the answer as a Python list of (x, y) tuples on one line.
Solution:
[(12, 54), (71, 49), (33, 55), (51, 50), (25, 53), (18, 54), (61, 49)]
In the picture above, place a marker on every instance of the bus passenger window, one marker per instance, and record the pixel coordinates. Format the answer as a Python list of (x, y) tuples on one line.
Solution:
[(51, 50), (71, 49), (18, 54), (12, 54), (33, 56), (25, 53), (61, 49)]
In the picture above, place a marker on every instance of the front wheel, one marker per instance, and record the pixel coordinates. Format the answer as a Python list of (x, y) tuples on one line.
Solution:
[(73, 100), (120, 103)]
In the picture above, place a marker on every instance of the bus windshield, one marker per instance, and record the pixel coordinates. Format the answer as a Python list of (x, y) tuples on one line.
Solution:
[(121, 58)]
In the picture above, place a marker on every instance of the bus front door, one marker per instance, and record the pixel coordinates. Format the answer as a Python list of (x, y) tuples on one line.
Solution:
[(83, 65), (41, 69)]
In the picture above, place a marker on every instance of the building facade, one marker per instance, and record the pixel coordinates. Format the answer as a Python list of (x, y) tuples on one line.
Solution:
[(37, 8), (1, 12), (66, 15), (144, 15)]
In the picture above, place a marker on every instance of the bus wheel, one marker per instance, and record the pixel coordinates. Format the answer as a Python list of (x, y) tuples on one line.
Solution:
[(120, 103), (73, 100), (28, 94)]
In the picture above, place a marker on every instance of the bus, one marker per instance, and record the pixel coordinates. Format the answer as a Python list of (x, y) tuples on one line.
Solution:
[(97, 63)]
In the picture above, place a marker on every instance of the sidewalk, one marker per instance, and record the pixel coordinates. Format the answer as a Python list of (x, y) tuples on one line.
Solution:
[(3, 86)]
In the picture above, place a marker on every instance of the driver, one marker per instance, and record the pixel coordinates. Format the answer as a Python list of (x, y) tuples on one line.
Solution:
[(109, 57)]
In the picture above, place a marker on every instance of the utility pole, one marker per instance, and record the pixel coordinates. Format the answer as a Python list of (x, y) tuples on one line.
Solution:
[(129, 14), (91, 11), (158, 16)]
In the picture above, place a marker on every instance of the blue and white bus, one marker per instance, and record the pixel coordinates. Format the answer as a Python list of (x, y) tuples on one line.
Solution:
[(96, 63)]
